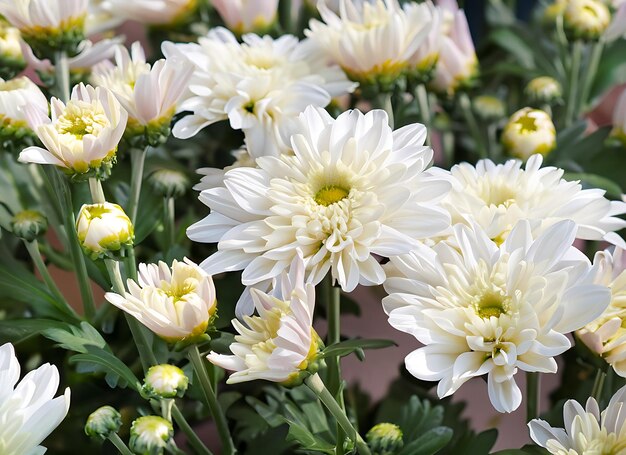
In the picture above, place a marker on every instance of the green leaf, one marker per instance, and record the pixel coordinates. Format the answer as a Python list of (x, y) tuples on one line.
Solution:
[(16, 331), (507, 39), (348, 347), (306, 439), (419, 416), (103, 361), (428, 443), (77, 339), (596, 181), (612, 69)]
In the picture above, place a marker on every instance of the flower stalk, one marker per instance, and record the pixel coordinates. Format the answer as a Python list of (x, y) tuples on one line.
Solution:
[(62, 68), (315, 383), (210, 396), (169, 221), (137, 161), (466, 109), (424, 106), (590, 72), (192, 438), (97, 193), (598, 385), (570, 113), (119, 444), (533, 388)]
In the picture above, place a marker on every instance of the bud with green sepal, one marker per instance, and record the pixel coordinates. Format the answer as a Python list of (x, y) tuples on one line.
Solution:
[(488, 108), (165, 382), (103, 422), (544, 90), (586, 19), (151, 435), (529, 131), (385, 439), (29, 225), (103, 229), (169, 183)]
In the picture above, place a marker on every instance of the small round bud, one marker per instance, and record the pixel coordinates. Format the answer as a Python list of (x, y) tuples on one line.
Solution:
[(385, 439), (11, 59), (529, 131), (103, 229), (552, 11), (150, 435), (169, 183), (586, 19), (489, 107), (103, 422), (29, 225), (543, 90), (165, 381)]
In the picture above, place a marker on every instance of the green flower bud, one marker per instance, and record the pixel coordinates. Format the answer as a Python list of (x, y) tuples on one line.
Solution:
[(150, 435), (529, 131), (586, 19), (103, 422), (103, 229), (165, 381), (169, 183), (385, 439), (29, 225), (488, 107), (543, 90)]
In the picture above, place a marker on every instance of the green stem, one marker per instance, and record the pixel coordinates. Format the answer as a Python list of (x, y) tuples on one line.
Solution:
[(598, 385), (55, 257), (422, 99), (466, 108), (333, 295), (315, 383), (210, 396), (119, 444), (571, 111), (385, 103), (33, 250), (192, 438), (533, 387), (166, 408), (137, 161), (169, 221), (62, 73), (76, 251), (285, 16), (590, 73), (97, 193)]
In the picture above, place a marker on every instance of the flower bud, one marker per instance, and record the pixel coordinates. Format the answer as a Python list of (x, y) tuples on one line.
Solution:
[(169, 182), (543, 90), (165, 381), (103, 228), (103, 422), (247, 16), (489, 107), (11, 59), (552, 11), (385, 439), (529, 131), (586, 19), (29, 225), (150, 435)]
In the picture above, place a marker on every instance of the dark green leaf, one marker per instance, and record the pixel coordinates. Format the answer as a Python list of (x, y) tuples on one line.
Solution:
[(15, 331), (429, 442), (77, 339), (348, 347), (106, 362)]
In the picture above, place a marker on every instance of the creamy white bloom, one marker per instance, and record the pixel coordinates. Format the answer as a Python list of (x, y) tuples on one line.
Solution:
[(497, 196), (175, 303), (15, 95), (606, 336), (457, 63), (260, 86), (353, 188), (245, 16), (479, 308), (36, 17), (81, 134), (280, 343), (426, 56), (372, 41), (586, 430), (148, 93), (100, 20), (529, 131), (28, 411), (154, 12), (214, 177), (103, 228), (619, 120)]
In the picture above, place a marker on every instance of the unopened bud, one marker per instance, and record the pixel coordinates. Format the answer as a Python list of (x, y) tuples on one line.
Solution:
[(29, 225), (529, 131), (543, 90), (103, 422), (150, 435), (165, 381), (103, 229), (385, 439), (169, 183)]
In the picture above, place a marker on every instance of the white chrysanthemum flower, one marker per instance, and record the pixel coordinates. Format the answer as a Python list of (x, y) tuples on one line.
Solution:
[(372, 41), (103, 228), (153, 12), (82, 134), (619, 120), (15, 95), (150, 435), (28, 412), (606, 336), (426, 56), (497, 196), (457, 64), (586, 430), (245, 16), (99, 20), (148, 93), (482, 309), (353, 188), (213, 177), (260, 86), (176, 303), (280, 343), (529, 131)]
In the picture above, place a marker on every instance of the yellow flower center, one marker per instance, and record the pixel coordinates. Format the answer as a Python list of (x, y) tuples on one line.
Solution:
[(13, 84), (331, 194), (527, 124), (80, 119), (97, 211), (491, 304), (178, 290)]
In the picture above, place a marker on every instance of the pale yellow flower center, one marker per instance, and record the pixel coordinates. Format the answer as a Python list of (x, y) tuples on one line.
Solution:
[(178, 290), (498, 194), (491, 303), (13, 84), (81, 118), (526, 124), (331, 194)]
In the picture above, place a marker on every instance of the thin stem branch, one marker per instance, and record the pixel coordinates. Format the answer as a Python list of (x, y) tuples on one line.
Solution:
[(466, 108), (598, 385), (590, 72), (533, 388), (35, 254), (422, 99), (119, 444), (169, 221), (97, 193), (137, 161), (210, 396), (571, 111), (385, 102), (192, 438), (315, 383), (62, 73)]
